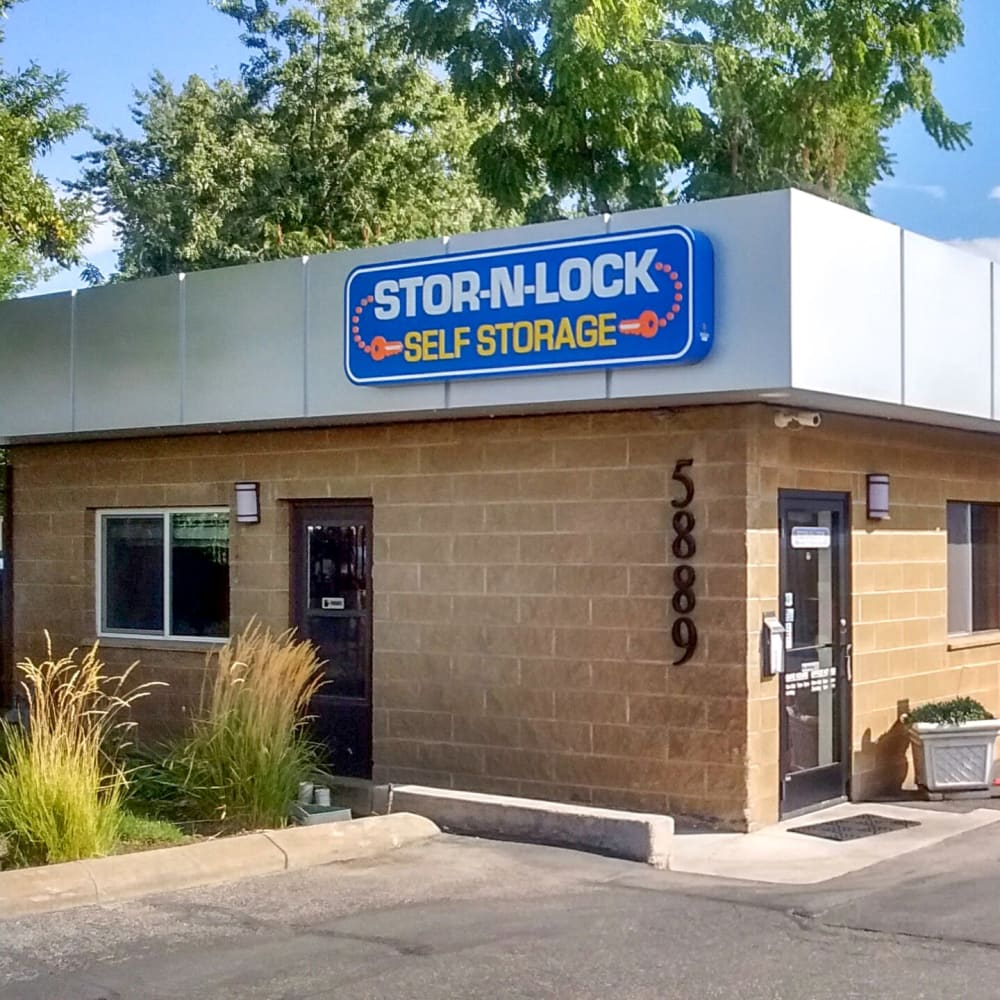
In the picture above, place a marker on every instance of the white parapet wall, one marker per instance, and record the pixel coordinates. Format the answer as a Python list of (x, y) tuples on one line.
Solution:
[(815, 306)]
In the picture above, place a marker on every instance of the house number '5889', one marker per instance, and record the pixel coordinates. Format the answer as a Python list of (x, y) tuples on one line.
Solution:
[(684, 632)]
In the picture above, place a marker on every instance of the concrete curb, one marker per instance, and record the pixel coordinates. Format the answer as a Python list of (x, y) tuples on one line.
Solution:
[(24, 891), (645, 837)]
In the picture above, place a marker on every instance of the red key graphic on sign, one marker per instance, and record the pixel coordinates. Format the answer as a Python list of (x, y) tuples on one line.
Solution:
[(380, 348), (648, 322)]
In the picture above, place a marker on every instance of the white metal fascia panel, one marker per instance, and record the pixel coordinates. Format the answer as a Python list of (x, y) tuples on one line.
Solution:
[(36, 366), (947, 328), (846, 302)]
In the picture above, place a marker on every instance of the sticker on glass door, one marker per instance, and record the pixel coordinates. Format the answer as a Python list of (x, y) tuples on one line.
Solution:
[(807, 537)]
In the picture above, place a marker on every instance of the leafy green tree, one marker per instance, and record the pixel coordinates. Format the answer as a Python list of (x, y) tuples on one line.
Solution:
[(606, 104), (587, 94), (803, 92), (333, 137), (40, 229)]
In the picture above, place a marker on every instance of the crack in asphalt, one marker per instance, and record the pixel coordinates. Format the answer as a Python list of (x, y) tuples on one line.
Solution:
[(900, 935), (805, 918)]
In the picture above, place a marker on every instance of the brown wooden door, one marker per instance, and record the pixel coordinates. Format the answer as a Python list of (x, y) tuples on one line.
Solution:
[(331, 593)]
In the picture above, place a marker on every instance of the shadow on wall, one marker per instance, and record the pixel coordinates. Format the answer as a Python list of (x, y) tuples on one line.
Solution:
[(881, 766)]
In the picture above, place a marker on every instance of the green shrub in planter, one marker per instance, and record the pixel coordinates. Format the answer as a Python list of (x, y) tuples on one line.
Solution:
[(949, 713), (953, 745)]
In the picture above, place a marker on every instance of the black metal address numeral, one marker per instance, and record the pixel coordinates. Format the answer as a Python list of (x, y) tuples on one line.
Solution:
[(684, 600), (684, 545), (685, 481), (685, 636), (684, 632)]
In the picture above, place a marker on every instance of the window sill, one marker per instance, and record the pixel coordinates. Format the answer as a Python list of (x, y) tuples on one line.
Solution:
[(167, 645), (974, 639)]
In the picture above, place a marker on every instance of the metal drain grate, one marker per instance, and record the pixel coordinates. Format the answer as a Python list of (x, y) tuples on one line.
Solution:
[(854, 827)]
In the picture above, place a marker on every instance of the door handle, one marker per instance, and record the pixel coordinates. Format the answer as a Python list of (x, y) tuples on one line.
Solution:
[(848, 649)]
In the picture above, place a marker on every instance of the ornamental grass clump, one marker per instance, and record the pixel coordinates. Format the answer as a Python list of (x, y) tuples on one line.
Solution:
[(249, 746), (61, 788)]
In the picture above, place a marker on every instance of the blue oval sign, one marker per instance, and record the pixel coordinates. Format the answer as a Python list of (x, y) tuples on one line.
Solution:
[(638, 298)]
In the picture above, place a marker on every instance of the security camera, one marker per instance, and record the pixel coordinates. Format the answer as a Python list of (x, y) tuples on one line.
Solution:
[(804, 418)]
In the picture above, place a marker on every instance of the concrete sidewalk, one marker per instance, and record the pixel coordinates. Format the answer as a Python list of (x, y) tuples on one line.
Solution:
[(48, 888), (778, 856)]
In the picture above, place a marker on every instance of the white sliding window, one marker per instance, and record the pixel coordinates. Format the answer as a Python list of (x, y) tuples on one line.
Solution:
[(163, 573)]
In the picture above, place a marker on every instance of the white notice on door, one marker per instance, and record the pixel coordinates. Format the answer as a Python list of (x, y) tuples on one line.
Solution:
[(810, 538)]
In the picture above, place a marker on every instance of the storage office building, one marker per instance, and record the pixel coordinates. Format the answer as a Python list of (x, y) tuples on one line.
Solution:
[(674, 510)]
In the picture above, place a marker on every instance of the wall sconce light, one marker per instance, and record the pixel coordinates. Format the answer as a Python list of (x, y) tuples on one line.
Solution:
[(248, 503), (878, 496)]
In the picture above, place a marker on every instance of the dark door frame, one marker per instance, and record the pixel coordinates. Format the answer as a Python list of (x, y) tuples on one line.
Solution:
[(842, 634), (330, 510), (7, 587)]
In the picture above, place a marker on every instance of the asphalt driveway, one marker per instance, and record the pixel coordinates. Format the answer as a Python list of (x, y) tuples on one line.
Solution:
[(458, 918)]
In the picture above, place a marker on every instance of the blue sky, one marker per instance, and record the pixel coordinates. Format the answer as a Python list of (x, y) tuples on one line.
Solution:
[(947, 195), (109, 48)]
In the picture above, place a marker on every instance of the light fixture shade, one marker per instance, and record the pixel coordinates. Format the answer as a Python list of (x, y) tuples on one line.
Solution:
[(248, 503), (878, 496)]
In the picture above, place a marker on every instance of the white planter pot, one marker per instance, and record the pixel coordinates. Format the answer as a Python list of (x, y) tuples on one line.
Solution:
[(954, 758)]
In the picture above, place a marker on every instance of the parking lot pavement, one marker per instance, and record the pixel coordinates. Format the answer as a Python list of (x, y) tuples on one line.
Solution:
[(456, 918)]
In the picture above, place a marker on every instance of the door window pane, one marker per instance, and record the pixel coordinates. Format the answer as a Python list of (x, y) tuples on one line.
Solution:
[(338, 556), (808, 608), (199, 574), (812, 712), (133, 574), (343, 644)]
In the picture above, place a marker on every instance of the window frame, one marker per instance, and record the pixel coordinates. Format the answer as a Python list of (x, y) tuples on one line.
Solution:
[(99, 563), (967, 592)]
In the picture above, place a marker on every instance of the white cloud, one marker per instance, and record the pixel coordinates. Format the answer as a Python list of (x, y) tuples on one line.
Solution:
[(937, 191), (985, 246), (994, 194), (103, 239), (931, 190)]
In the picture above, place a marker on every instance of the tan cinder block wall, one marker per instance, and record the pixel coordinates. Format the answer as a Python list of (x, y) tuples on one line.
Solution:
[(899, 581), (522, 577)]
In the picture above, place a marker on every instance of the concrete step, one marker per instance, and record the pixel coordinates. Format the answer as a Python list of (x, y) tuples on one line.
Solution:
[(634, 836)]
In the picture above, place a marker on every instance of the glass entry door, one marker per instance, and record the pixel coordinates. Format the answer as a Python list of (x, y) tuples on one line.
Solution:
[(331, 592), (815, 610)]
